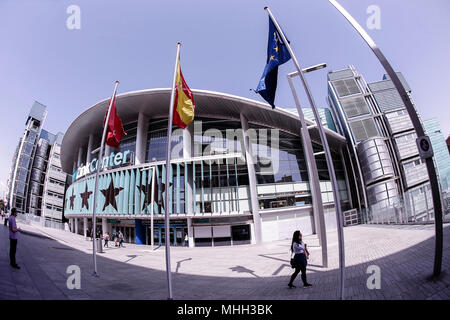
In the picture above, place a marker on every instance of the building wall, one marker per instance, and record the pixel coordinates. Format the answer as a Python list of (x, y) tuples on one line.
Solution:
[(214, 176), (441, 153), (21, 168), (39, 182), (367, 112), (55, 178)]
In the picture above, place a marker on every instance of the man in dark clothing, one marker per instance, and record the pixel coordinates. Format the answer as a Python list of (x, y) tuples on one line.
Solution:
[(13, 235)]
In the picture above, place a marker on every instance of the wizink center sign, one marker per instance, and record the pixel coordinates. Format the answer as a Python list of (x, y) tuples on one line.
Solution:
[(113, 160)]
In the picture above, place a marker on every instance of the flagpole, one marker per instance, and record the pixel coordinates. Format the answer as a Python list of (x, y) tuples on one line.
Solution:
[(99, 162), (166, 207), (328, 157), (152, 208)]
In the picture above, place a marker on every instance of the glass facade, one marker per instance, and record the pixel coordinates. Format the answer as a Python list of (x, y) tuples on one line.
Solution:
[(281, 170), (157, 141), (441, 154), (129, 141)]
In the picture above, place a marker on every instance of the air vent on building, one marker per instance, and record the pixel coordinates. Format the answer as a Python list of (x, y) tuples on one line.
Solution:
[(346, 87), (341, 74), (355, 106), (363, 129), (388, 100)]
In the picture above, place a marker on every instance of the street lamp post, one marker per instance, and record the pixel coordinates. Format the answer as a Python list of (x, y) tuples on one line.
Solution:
[(327, 153)]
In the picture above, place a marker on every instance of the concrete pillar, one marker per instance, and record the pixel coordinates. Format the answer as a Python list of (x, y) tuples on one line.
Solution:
[(85, 227), (141, 138), (252, 180), (80, 156), (188, 152), (74, 166), (190, 233), (104, 225), (90, 147), (76, 225), (252, 234)]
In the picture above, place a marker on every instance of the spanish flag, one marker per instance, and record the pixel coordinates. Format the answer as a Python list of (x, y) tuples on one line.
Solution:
[(183, 107)]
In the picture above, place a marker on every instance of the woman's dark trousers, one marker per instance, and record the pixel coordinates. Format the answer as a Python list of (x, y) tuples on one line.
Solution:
[(296, 272)]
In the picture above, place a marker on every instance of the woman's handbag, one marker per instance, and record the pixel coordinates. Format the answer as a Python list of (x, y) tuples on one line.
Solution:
[(292, 262)]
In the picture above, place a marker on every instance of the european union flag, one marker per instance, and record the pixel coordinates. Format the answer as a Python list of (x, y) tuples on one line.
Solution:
[(277, 54)]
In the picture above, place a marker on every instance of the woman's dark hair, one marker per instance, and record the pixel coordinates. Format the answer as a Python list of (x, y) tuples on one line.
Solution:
[(295, 239)]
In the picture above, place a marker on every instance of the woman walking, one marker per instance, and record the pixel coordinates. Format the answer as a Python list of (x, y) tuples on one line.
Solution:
[(106, 238), (120, 239), (301, 254)]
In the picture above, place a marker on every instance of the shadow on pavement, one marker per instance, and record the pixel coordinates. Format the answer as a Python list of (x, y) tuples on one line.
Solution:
[(44, 263)]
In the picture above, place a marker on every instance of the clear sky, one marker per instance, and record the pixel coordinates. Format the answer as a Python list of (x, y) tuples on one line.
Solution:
[(223, 49)]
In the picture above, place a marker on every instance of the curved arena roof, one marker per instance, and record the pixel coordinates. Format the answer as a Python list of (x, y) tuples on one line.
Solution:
[(154, 104)]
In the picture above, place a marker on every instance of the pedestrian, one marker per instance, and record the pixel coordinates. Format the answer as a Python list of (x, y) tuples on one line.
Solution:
[(6, 219), (299, 262), (106, 238), (115, 238), (120, 239), (186, 240), (13, 235)]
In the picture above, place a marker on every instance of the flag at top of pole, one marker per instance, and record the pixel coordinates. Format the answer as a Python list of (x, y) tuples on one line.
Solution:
[(184, 105), (115, 130), (277, 54)]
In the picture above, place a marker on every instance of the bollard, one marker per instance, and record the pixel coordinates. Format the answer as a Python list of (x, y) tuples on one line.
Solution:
[(99, 245)]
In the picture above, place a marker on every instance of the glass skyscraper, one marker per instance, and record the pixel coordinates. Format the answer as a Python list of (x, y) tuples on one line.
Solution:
[(36, 183), (382, 142)]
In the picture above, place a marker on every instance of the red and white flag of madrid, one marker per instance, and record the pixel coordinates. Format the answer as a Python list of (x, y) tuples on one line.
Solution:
[(114, 131)]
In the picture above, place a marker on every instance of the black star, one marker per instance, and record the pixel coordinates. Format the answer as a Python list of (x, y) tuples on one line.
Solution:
[(85, 197), (110, 195), (145, 189), (72, 198), (163, 189)]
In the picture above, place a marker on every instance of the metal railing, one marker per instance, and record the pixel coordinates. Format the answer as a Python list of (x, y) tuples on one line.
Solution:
[(415, 207), (32, 219)]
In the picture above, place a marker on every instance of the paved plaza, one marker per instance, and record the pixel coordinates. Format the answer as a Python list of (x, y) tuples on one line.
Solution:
[(403, 253)]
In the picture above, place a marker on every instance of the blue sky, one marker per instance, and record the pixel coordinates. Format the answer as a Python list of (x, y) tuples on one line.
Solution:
[(224, 47)]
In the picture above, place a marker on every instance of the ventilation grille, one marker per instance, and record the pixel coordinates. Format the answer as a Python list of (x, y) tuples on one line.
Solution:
[(363, 129), (389, 99), (347, 73), (355, 106), (346, 87)]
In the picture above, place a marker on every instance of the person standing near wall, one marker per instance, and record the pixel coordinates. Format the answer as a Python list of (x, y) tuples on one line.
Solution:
[(13, 235), (6, 219)]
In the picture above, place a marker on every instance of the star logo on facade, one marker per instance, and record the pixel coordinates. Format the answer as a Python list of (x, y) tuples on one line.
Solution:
[(146, 189), (163, 189), (85, 198), (110, 194), (72, 199)]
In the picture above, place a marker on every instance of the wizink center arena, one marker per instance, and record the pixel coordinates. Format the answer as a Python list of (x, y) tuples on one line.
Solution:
[(224, 189)]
